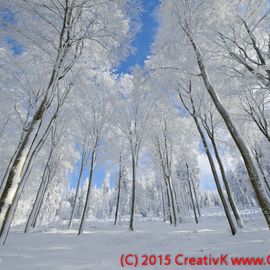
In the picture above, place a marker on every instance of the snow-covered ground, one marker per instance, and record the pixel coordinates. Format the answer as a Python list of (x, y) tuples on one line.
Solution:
[(101, 247)]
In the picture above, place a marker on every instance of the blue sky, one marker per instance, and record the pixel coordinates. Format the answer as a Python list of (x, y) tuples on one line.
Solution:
[(144, 38)]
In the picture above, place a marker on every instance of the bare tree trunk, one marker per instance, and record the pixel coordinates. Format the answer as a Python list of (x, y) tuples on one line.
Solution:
[(186, 199), (133, 193), (42, 185), (177, 206), (15, 174), (163, 205), (87, 201), (119, 190), (227, 186), (83, 160), (196, 196), (4, 179), (41, 200), (22, 164), (5, 229), (191, 195), (261, 169), (172, 202), (215, 175), (251, 166), (168, 202)]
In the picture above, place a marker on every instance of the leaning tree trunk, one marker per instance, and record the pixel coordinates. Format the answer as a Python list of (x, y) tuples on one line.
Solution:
[(251, 166), (215, 175), (17, 176), (46, 178), (42, 185), (17, 169), (227, 186), (87, 201), (191, 195), (22, 159), (41, 200)]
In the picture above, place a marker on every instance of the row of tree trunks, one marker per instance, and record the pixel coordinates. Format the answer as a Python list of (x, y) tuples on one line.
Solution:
[(254, 173)]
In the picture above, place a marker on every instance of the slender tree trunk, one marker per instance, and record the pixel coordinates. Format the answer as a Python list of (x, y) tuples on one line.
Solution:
[(169, 210), (186, 199), (178, 207), (227, 186), (133, 193), (163, 205), (215, 175), (196, 196), (41, 200), (87, 201), (42, 185), (191, 195), (251, 166), (172, 202), (119, 190), (263, 174), (78, 184)]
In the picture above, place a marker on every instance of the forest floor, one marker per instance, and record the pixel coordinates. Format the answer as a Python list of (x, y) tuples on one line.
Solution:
[(101, 247)]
